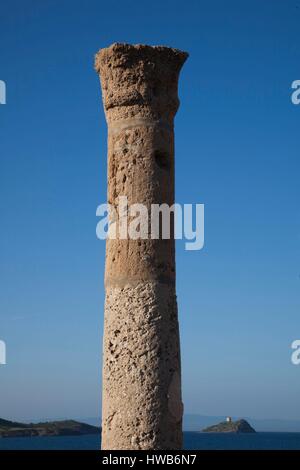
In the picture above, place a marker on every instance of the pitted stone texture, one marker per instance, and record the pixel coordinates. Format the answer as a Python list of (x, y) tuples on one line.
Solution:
[(141, 167), (140, 79), (142, 406)]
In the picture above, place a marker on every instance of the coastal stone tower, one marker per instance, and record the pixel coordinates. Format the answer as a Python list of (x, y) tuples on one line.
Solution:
[(142, 407)]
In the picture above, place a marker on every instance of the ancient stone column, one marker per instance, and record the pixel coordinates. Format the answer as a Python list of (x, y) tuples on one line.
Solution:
[(142, 407)]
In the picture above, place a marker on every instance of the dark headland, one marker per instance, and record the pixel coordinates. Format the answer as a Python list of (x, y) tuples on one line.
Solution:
[(51, 428), (238, 427)]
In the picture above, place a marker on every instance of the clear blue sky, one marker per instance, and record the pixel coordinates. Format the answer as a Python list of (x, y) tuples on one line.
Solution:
[(237, 151)]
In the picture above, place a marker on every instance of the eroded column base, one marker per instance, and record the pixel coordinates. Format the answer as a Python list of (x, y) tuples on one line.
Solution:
[(142, 407)]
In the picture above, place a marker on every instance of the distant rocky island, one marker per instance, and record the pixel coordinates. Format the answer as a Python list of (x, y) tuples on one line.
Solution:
[(51, 428), (238, 427)]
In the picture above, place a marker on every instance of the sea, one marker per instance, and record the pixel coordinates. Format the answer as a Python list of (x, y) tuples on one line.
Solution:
[(192, 441)]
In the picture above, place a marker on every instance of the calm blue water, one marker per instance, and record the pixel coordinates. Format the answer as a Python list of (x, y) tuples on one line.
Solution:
[(192, 440)]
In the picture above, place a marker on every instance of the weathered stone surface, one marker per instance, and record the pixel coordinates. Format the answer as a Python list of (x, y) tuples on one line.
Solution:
[(142, 406)]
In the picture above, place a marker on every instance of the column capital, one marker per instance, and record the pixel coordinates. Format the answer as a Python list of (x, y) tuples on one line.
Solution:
[(139, 81)]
